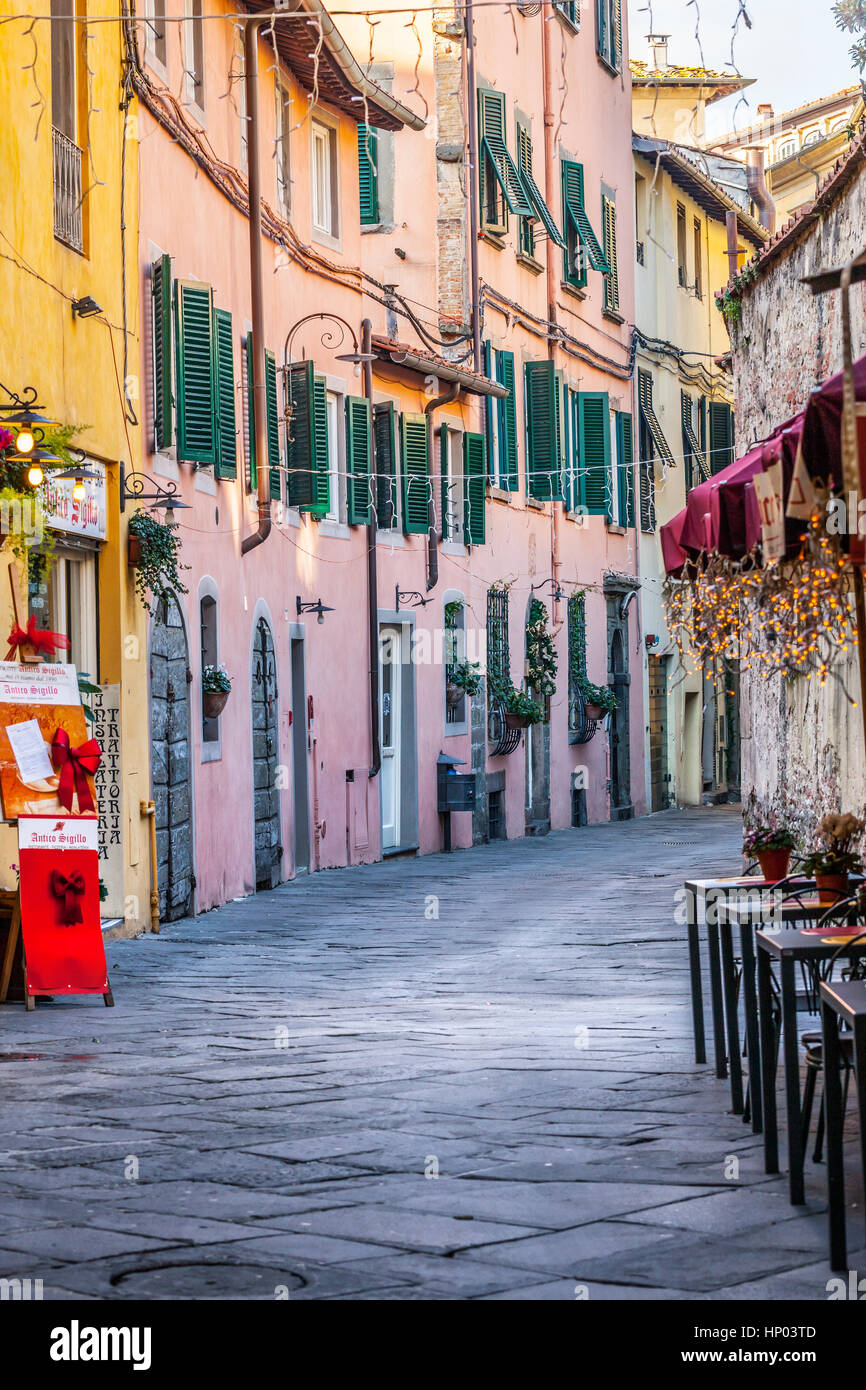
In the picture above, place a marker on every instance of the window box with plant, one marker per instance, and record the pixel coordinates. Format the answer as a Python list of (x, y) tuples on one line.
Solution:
[(520, 708), (834, 856), (771, 845), (154, 555), (215, 690), (466, 678), (599, 699)]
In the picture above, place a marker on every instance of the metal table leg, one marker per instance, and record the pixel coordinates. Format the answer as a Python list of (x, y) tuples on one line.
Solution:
[(729, 980), (750, 1007), (833, 1137), (768, 1065), (718, 1008), (860, 1081), (695, 977), (791, 1051)]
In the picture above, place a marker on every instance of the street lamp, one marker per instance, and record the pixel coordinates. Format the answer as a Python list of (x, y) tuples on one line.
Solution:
[(331, 338), (22, 417)]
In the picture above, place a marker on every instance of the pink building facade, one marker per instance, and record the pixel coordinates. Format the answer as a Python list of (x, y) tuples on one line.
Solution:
[(460, 215)]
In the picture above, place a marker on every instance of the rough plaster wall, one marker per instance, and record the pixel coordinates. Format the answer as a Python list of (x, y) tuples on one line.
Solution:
[(803, 745), (450, 155)]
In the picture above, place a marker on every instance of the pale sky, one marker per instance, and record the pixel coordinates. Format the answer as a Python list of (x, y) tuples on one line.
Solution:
[(793, 49)]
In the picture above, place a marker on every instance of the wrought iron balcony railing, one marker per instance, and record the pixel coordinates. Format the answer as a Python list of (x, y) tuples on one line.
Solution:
[(68, 221)]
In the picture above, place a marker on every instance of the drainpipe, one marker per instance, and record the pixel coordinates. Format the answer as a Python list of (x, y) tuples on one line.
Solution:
[(472, 186), (432, 540), (260, 424), (372, 574), (758, 190), (550, 197)]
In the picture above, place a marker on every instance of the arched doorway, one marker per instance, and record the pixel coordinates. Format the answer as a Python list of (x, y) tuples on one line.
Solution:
[(170, 760), (266, 796)]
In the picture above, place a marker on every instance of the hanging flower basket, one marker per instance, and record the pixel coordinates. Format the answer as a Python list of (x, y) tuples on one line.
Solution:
[(133, 551), (213, 702), (453, 694), (517, 721), (594, 711)]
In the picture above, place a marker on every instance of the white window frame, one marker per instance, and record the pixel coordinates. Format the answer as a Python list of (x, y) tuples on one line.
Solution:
[(151, 56), (456, 536), (282, 148), (195, 96), (326, 229)]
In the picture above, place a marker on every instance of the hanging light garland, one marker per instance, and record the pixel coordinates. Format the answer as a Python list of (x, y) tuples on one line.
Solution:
[(789, 619)]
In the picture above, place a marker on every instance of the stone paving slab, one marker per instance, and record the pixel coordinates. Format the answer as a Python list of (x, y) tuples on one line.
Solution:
[(326, 1091)]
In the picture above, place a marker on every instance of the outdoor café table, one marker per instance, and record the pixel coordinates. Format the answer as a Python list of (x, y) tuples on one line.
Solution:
[(842, 1001), (790, 946)]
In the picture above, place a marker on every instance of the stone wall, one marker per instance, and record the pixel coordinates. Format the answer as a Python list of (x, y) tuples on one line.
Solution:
[(802, 744)]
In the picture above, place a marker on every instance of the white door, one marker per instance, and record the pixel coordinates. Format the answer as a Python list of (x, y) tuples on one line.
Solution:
[(390, 646)]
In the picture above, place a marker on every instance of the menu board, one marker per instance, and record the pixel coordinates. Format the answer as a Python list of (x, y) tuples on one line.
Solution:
[(35, 702)]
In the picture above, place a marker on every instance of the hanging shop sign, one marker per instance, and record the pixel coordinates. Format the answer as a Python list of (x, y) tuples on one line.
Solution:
[(770, 493), (58, 865), (63, 512), (47, 759)]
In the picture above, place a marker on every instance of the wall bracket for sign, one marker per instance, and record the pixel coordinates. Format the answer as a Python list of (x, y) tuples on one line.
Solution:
[(139, 487)]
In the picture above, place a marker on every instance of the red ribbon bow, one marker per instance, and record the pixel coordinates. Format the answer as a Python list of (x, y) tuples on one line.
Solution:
[(69, 887), (73, 764), (41, 640)]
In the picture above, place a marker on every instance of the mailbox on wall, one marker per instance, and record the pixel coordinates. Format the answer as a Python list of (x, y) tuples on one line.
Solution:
[(455, 791)]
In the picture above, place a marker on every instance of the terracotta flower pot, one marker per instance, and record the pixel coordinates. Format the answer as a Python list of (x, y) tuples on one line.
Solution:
[(515, 721), (774, 863), (133, 551), (453, 694), (213, 703), (832, 888), (594, 711)]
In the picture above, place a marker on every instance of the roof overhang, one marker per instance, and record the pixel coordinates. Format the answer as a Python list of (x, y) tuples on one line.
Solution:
[(712, 86), (336, 77), (429, 364), (700, 186)]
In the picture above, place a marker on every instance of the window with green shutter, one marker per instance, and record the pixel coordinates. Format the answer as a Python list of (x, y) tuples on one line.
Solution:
[(646, 447), (358, 457), (721, 429), (384, 436), (695, 465), (308, 483), (368, 174), (415, 473), (593, 420), (273, 424), (226, 432), (544, 430), (626, 510), (611, 281), (540, 210), (500, 187), (570, 10), (501, 420), (609, 33), (582, 246), (194, 367), (474, 488), (162, 397)]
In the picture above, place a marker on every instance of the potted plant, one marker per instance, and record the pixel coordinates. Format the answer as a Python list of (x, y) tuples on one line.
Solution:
[(215, 688), (465, 678), (771, 846), (599, 700), (153, 551), (834, 858), (520, 709)]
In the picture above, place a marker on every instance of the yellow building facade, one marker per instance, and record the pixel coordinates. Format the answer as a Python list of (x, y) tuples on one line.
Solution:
[(68, 283)]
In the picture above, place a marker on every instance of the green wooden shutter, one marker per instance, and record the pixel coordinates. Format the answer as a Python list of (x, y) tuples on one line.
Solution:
[(273, 426), (302, 431), (368, 174), (625, 467), (602, 37), (196, 413), (569, 473), (445, 480), (491, 123), (358, 448), (227, 438), (321, 503), (251, 415), (574, 214), (543, 430), (490, 404), (386, 459), (616, 36), (721, 435), (594, 450), (533, 195), (415, 474), (507, 420), (611, 281), (162, 397), (473, 489)]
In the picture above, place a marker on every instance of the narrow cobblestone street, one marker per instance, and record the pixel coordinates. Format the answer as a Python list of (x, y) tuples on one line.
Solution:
[(448, 1077)]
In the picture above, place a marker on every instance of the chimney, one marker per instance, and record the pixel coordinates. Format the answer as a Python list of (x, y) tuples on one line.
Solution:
[(758, 190), (765, 110), (659, 49)]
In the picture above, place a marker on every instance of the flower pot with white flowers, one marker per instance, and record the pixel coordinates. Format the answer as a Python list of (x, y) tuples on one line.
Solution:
[(215, 690)]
